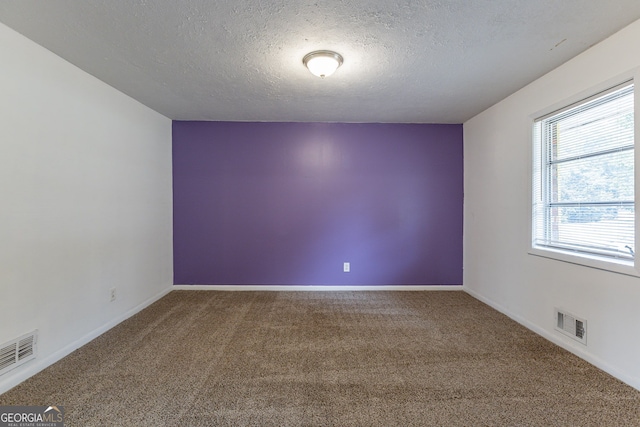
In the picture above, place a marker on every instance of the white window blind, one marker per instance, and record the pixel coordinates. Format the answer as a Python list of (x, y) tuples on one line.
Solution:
[(583, 183)]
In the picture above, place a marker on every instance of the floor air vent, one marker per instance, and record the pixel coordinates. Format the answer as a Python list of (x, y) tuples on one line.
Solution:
[(571, 326), (16, 352)]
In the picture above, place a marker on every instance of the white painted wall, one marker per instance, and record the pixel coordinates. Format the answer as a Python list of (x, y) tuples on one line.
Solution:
[(86, 203), (497, 268)]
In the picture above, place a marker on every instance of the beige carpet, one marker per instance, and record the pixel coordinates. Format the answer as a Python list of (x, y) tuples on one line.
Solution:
[(202, 358)]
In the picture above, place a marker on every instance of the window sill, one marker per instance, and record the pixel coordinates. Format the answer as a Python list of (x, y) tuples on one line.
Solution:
[(616, 266)]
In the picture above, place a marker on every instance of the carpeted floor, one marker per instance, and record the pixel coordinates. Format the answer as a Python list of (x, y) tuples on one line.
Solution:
[(204, 358)]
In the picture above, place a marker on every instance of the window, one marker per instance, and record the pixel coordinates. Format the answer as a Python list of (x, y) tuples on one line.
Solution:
[(583, 178)]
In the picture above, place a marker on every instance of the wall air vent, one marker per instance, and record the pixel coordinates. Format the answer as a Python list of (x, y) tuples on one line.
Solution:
[(18, 351), (572, 326)]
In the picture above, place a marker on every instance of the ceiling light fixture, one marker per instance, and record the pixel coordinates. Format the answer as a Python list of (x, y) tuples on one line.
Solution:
[(322, 63)]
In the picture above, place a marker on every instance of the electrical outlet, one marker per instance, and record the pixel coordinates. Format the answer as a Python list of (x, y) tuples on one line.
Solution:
[(113, 294), (346, 267)]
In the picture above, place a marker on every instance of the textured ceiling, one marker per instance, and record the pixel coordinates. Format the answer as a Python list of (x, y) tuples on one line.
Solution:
[(424, 61)]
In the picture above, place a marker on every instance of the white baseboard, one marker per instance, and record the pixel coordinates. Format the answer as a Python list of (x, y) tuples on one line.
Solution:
[(581, 353), (31, 368), (316, 288)]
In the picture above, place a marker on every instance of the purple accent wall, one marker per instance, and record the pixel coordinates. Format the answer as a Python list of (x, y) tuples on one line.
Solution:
[(288, 203)]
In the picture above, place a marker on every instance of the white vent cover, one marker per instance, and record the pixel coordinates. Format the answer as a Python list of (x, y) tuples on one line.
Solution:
[(571, 326), (18, 351)]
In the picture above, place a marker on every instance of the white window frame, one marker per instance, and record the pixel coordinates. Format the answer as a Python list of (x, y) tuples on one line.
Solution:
[(628, 267)]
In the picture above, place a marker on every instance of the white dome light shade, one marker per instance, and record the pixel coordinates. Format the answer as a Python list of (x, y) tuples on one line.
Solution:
[(322, 63)]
